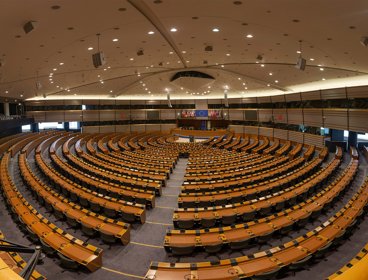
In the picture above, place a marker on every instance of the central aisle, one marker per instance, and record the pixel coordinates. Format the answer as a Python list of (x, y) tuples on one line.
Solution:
[(146, 240)]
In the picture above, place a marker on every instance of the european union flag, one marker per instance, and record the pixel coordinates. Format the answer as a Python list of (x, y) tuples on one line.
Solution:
[(201, 113)]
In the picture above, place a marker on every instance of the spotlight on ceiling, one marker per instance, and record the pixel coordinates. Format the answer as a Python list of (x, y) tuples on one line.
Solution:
[(29, 26), (208, 48), (259, 57), (364, 41)]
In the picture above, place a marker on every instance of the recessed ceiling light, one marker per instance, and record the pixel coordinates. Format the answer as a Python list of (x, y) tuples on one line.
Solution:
[(57, 86), (115, 39), (276, 81), (222, 66), (262, 65), (270, 74), (171, 52), (173, 29), (321, 69), (311, 59), (61, 63), (184, 51), (215, 29), (227, 54), (151, 32), (55, 69), (90, 48), (239, 79), (51, 82), (298, 52), (268, 85), (6, 91), (323, 79), (249, 36), (131, 58), (21, 95)]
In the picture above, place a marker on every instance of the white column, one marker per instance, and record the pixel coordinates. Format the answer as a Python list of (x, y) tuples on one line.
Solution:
[(6, 109)]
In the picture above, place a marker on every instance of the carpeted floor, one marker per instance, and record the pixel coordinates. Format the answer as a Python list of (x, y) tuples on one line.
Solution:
[(132, 261)]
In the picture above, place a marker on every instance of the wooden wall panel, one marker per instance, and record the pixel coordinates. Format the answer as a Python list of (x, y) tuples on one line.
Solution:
[(39, 116), (153, 127), (316, 140), (138, 114), (236, 115), (311, 95), (73, 116), (266, 131), (122, 128), (335, 118), (167, 127), (278, 98), (295, 136), (265, 115), (54, 116), (90, 115), (280, 115), (90, 129), (237, 128), (295, 116), (138, 128), (107, 128), (251, 130), (264, 99), (107, 115), (313, 117), (292, 97), (73, 102), (358, 120), (168, 115), (249, 100), (122, 115), (358, 92), (336, 93), (280, 133)]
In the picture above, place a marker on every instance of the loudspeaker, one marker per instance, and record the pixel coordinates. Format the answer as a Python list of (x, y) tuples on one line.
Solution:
[(38, 85), (226, 100), (98, 59), (169, 101), (364, 41), (301, 63), (29, 26)]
